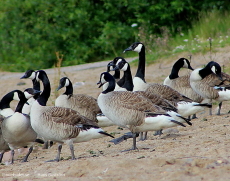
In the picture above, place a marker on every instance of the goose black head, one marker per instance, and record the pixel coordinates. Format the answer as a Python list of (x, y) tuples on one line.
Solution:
[(184, 62), (215, 68), (121, 64), (136, 47), (105, 77), (29, 74), (64, 82), (30, 92)]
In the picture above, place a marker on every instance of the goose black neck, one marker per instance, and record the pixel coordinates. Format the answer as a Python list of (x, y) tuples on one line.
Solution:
[(69, 89), (110, 87), (5, 102), (43, 98), (141, 64), (121, 81), (128, 84), (205, 72), (20, 104), (175, 70), (116, 74), (36, 86)]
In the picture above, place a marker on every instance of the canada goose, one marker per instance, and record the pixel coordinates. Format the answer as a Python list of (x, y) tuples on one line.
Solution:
[(3, 144), (208, 82), (130, 110), (119, 81), (182, 84), (36, 85), (84, 104), (123, 65), (184, 105), (16, 129), (59, 124), (31, 74)]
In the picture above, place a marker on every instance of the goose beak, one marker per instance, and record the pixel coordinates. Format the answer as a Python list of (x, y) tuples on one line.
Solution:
[(189, 67), (115, 68), (36, 92), (59, 87), (24, 77), (220, 76), (110, 64), (128, 49), (100, 84)]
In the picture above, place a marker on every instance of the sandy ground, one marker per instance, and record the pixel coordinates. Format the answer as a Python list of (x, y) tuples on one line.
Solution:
[(197, 152)]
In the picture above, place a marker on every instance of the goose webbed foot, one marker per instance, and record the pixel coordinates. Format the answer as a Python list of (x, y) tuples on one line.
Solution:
[(54, 160), (194, 116), (27, 155), (123, 138), (159, 132)]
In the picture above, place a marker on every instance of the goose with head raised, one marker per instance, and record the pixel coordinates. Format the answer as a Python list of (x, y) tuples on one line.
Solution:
[(16, 129), (184, 105), (130, 110), (59, 124)]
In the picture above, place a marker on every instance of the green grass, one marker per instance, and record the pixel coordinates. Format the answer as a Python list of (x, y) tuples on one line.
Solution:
[(207, 34)]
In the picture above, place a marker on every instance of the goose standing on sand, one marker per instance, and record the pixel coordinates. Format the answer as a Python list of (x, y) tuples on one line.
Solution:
[(6, 111), (209, 83), (132, 111), (16, 129), (184, 105), (124, 66), (182, 84), (59, 124)]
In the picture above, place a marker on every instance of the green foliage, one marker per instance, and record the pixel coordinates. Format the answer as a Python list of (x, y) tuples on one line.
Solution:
[(31, 31)]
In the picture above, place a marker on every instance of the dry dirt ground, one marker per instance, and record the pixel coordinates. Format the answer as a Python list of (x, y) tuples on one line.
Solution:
[(197, 152)]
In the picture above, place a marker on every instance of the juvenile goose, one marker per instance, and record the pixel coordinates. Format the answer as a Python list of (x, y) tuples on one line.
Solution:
[(59, 124), (16, 129), (184, 105), (84, 104), (209, 83), (130, 110)]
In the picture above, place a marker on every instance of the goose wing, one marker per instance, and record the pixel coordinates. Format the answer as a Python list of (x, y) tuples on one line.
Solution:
[(67, 116)]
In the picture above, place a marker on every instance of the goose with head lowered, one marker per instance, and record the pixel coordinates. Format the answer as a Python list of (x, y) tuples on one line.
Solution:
[(184, 105), (16, 129), (59, 124), (132, 111), (211, 83)]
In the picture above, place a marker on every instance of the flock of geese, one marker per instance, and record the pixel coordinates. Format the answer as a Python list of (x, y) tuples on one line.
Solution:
[(128, 102)]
